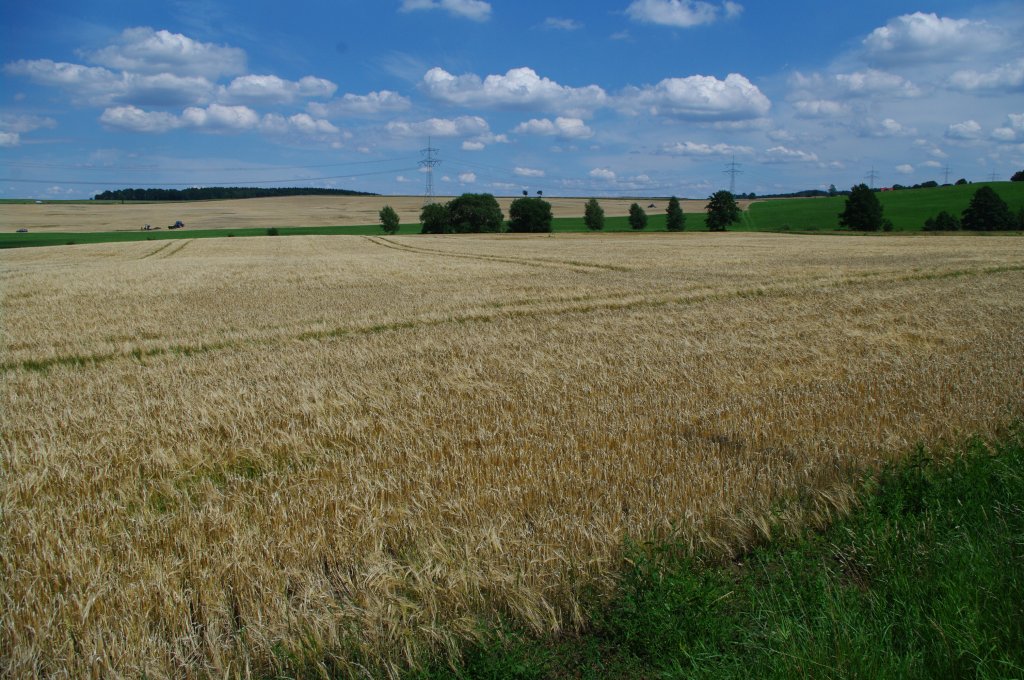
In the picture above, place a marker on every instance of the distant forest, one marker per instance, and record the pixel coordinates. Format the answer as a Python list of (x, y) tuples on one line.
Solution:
[(213, 193)]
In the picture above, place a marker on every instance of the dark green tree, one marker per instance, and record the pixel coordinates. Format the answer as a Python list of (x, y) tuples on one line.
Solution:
[(593, 215), (987, 212), (942, 222), (960, 182), (389, 219), (529, 215), (474, 213), (675, 219), (637, 217), (722, 211), (1017, 176), (435, 219), (832, 191), (863, 212)]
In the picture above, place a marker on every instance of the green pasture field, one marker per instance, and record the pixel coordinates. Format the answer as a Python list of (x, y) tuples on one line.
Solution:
[(907, 208)]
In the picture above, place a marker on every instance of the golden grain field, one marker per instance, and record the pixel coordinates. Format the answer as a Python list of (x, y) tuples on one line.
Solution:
[(284, 211), (234, 457)]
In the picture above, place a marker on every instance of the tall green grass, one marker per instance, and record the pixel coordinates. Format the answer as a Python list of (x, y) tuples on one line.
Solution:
[(924, 580)]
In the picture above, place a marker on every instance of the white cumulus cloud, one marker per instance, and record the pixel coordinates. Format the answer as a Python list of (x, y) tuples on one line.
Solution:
[(967, 130), (528, 172), (783, 154), (463, 126), (143, 50), (518, 88), (681, 13), (134, 119), (467, 177), (820, 108), (9, 139), (921, 37), (1012, 130), (699, 149), (603, 173), (698, 98), (477, 10), (361, 104), (570, 128), (1008, 77), (270, 89), (905, 169), (220, 118)]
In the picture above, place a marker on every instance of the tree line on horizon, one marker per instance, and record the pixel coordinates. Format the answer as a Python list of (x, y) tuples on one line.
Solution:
[(480, 213), (217, 193)]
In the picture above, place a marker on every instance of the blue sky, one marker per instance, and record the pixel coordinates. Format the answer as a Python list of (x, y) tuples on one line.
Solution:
[(606, 98)]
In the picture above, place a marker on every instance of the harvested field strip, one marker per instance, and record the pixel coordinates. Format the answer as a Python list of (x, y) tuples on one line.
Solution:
[(532, 262), (511, 310)]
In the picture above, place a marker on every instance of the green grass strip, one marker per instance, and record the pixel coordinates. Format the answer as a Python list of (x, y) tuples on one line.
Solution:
[(924, 580)]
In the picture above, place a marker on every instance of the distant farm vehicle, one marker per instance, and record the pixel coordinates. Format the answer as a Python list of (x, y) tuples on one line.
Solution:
[(23, 230), (177, 225)]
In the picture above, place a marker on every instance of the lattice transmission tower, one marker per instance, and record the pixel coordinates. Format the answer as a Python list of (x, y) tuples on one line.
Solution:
[(732, 171), (430, 160)]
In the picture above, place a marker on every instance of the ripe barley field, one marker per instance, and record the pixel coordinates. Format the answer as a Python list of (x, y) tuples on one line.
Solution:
[(241, 457), (285, 211)]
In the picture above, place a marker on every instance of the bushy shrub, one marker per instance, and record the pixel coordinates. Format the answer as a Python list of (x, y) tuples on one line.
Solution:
[(529, 215)]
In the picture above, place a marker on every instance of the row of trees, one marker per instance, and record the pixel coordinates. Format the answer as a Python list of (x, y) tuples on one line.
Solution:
[(480, 213), (214, 193)]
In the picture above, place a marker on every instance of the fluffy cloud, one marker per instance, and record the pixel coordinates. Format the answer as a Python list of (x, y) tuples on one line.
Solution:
[(570, 128), (25, 123), (473, 146), (370, 104), (1012, 130), (477, 10), (220, 118), (603, 173), (270, 89), (9, 139), (820, 108), (143, 50), (467, 177), (217, 118), (967, 130), (924, 37), (905, 169), (697, 149), (301, 123), (782, 154), (101, 87), (528, 172), (134, 119), (1007, 77), (875, 82), (698, 98), (680, 13), (518, 88), (464, 126), (887, 127)]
